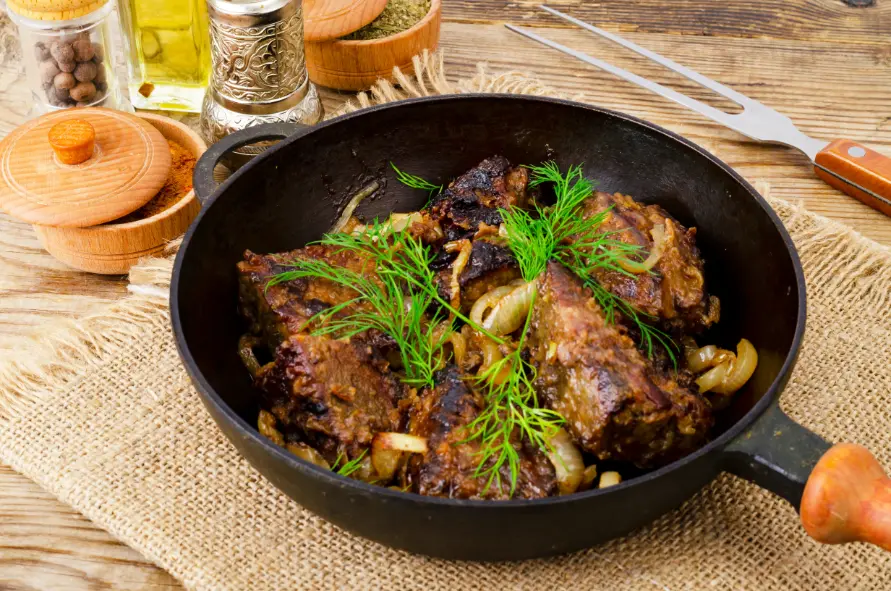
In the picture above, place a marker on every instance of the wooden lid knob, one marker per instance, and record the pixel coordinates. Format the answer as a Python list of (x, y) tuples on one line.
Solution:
[(72, 140)]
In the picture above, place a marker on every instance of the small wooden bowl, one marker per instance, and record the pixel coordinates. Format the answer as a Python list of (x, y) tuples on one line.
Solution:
[(111, 249), (356, 65)]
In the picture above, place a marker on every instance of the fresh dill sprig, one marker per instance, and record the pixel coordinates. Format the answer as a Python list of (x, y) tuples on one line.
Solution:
[(511, 409), (416, 182), (381, 301), (397, 299), (548, 233), (564, 234), (349, 467)]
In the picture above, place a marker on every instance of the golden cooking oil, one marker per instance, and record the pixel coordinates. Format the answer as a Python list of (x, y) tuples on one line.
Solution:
[(168, 53)]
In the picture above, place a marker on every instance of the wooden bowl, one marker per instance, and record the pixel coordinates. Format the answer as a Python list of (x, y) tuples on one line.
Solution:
[(111, 249), (356, 65)]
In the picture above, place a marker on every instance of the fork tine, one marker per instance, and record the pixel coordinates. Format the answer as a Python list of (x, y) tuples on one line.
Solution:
[(741, 99), (690, 103)]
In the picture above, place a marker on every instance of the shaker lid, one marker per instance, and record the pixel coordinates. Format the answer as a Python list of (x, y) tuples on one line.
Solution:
[(54, 10), (81, 167), (329, 19)]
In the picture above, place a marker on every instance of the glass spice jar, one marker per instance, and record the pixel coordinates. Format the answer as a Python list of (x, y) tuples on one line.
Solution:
[(66, 59)]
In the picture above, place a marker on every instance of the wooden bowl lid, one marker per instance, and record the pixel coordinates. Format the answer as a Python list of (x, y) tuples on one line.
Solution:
[(330, 19), (55, 10), (126, 166)]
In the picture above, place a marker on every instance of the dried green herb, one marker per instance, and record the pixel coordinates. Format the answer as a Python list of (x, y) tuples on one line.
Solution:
[(398, 16)]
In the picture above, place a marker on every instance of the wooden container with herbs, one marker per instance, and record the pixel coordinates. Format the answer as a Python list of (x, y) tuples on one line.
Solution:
[(102, 188), (352, 52)]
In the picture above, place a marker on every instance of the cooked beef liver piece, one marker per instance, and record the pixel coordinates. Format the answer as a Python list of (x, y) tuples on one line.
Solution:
[(283, 310), (475, 196), (616, 404), (334, 395), (447, 469), (490, 265), (675, 292)]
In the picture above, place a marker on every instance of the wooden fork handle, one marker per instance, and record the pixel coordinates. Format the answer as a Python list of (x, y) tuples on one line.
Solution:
[(848, 498), (858, 171)]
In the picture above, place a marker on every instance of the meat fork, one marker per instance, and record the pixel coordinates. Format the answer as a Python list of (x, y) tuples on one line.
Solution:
[(846, 165)]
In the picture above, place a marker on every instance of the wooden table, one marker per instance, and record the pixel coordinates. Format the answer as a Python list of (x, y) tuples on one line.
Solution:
[(825, 63)]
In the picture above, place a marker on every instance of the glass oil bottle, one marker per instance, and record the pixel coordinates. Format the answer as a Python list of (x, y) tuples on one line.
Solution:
[(168, 53)]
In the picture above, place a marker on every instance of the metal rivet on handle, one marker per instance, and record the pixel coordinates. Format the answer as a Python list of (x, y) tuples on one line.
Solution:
[(856, 152)]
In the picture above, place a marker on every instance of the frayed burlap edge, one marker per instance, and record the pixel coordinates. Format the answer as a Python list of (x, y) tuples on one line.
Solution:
[(427, 77)]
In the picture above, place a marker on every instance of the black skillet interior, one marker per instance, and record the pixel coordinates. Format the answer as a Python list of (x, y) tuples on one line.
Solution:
[(294, 193)]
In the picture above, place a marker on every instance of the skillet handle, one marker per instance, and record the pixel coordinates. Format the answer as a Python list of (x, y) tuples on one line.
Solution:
[(842, 493), (202, 178), (776, 453), (858, 171)]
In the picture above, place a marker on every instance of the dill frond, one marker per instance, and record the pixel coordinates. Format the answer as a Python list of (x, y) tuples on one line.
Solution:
[(349, 467), (416, 182), (398, 300), (511, 409), (562, 233)]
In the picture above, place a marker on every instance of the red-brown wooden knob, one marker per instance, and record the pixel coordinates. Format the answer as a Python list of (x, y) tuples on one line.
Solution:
[(848, 498), (72, 140)]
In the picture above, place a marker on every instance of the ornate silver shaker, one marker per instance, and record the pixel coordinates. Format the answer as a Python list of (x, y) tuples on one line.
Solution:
[(259, 71)]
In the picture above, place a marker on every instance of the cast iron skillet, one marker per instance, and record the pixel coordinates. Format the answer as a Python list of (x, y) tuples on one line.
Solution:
[(294, 192)]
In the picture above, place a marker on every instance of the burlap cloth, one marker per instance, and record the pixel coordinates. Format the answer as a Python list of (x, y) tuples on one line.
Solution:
[(100, 412)]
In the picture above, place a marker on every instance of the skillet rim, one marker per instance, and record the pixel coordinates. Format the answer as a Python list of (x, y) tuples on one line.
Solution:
[(717, 445)]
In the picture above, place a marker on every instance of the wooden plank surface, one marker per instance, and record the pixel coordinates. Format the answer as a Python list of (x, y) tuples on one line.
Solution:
[(825, 64)]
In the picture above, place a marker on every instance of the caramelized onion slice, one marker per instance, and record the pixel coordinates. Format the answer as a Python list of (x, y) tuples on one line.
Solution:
[(385, 461), (588, 477), (390, 450), (266, 426), (464, 248), (509, 313), (401, 442), (609, 479), (701, 359), (713, 377), (305, 452), (365, 472), (658, 234), (568, 463), (732, 372), (459, 347), (486, 301), (347, 213), (740, 370)]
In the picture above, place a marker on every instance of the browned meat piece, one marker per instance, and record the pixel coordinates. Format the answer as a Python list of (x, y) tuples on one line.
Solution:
[(447, 469), (331, 394), (675, 291), (284, 309), (616, 404), (474, 197), (490, 265)]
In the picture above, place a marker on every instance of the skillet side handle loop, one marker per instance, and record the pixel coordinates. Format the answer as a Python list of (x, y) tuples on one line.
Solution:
[(848, 498), (858, 171), (202, 178)]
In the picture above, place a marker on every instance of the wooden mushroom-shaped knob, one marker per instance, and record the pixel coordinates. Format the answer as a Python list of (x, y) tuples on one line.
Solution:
[(848, 498), (72, 140)]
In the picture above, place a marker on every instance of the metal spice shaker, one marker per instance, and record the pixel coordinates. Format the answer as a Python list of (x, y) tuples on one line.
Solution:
[(258, 72)]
